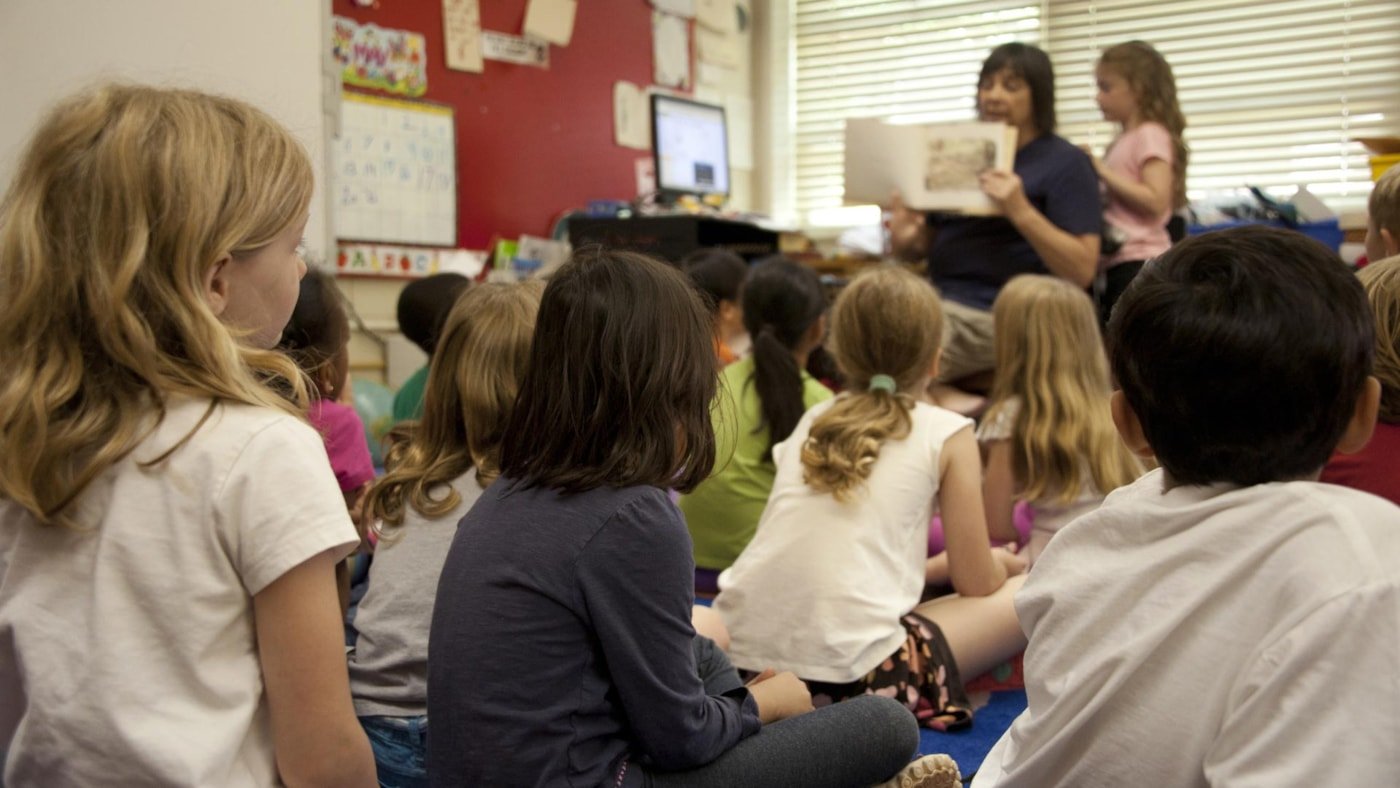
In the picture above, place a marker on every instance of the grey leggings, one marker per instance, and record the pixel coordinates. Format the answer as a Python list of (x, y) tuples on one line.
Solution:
[(855, 743)]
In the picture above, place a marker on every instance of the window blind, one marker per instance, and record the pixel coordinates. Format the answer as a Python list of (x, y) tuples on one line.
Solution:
[(1274, 93), (916, 59)]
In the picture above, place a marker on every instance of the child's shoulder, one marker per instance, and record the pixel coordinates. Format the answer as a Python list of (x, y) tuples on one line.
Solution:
[(216, 435), (939, 419)]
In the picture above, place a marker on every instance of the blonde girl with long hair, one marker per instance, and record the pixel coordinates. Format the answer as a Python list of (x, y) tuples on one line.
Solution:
[(1048, 436), (169, 525), (1144, 169), (434, 475), (830, 586)]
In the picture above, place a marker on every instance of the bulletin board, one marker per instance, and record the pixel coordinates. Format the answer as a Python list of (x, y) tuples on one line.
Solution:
[(531, 143), (394, 176)]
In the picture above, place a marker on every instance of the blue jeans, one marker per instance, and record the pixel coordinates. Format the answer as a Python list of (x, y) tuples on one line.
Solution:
[(400, 747)]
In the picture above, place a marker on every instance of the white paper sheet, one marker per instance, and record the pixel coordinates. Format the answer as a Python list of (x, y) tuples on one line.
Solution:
[(514, 49), (719, 48), (551, 20), (718, 15), (682, 8), (631, 123), (670, 42), (461, 28)]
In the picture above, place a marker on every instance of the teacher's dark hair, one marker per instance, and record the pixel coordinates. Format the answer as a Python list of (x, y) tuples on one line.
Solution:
[(1032, 65), (622, 372)]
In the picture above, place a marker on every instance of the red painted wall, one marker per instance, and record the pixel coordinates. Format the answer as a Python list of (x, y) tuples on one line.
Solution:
[(531, 143)]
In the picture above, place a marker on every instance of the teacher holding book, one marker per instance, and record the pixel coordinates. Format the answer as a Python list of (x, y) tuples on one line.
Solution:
[(1050, 214)]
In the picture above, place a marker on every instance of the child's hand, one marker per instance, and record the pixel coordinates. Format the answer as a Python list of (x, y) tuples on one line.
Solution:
[(779, 695), (1093, 158), (1008, 558)]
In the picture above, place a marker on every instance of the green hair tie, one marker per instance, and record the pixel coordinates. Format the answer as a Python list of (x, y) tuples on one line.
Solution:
[(881, 383)]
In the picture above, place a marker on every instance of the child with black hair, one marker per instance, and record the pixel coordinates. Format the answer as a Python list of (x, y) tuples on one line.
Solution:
[(561, 650), (422, 309), (317, 339), (719, 276), (1226, 619), (761, 399)]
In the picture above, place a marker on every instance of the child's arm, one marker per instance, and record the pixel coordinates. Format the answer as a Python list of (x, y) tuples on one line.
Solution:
[(1152, 196), (999, 492), (316, 737), (973, 569)]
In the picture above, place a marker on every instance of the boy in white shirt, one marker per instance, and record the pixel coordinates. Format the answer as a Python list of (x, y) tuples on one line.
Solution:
[(1227, 619)]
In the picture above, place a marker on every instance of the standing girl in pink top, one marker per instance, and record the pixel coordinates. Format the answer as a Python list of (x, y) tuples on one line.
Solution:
[(1144, 169)]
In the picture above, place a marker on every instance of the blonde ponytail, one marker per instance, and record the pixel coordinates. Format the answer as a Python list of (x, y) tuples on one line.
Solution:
[(885, 328)]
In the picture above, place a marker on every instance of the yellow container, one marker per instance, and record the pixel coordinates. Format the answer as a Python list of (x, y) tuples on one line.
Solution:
[(1379, 164)]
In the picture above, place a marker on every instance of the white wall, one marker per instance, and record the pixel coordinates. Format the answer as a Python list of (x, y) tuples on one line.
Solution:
[(267, 52)]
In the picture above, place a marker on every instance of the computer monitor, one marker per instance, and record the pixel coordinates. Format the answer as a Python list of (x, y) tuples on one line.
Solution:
[(690, 147)]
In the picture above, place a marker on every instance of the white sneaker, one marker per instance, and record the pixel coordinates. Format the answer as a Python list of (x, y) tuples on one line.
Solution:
[(930, 771)]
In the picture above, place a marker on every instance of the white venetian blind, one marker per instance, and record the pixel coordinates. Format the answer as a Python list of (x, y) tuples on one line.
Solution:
[(908, 58), (1273, 92)]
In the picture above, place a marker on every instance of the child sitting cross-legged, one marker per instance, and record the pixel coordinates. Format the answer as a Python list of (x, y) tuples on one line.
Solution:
[(1226, 619)]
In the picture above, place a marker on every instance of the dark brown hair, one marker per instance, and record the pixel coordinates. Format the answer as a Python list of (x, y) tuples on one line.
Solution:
[(318, 332), (622, 371), (1243, 352)]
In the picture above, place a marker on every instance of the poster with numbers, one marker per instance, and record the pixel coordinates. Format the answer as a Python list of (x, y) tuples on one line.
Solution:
[(395, 172)]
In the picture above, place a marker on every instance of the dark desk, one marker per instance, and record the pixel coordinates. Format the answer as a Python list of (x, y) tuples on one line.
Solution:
[(673, 237)]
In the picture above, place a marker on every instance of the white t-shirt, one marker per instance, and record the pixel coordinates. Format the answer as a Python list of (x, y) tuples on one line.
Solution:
[(822, 586), (128, 653), (1212, 636), (1050, 515)]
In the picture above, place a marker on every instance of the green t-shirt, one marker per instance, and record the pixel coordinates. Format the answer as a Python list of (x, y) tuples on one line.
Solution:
[(408, 403), (723, 512)]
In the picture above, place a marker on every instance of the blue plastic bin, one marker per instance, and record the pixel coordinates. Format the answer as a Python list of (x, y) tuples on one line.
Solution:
[(1329, 232)]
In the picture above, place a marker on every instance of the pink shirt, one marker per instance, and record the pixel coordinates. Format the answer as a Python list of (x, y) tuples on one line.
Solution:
[(346, 444), (1146, 235)]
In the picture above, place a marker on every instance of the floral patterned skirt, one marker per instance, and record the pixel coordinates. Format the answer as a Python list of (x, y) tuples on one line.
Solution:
[(921, 674)]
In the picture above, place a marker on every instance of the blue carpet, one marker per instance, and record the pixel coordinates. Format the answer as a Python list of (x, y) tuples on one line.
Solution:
[(970, 746)]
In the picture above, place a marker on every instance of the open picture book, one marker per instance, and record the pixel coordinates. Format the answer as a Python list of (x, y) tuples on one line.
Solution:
[(934, 166)]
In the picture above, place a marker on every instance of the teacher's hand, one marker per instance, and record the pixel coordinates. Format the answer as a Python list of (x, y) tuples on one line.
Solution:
[(1005, 189)]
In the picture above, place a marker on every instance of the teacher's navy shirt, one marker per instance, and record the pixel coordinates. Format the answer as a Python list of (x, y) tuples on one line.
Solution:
[(971, 257), (561, 644)]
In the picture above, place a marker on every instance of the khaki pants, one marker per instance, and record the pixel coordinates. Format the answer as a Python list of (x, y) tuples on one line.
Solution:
[(968, 346)]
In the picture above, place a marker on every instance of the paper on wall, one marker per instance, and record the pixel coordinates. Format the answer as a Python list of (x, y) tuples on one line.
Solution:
[(371, 56), (646, 176), (630, 119), (514, 49), (682, 8), (719, 15), (551, 20), (719, 76), (719, 48), (461, 28), (670, 50)]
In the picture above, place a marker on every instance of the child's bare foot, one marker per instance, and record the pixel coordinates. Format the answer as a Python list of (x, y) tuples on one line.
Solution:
[(930, 771)]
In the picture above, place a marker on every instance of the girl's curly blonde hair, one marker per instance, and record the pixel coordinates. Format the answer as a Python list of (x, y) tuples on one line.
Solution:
[(123, 201), (887, 321)]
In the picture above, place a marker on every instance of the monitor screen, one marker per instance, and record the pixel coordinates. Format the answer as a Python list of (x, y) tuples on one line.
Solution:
[(692, 152)]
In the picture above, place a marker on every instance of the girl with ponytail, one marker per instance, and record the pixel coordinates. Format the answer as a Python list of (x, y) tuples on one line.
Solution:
[(760, 400), (829, 588)]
